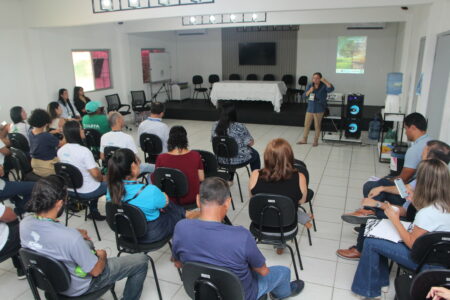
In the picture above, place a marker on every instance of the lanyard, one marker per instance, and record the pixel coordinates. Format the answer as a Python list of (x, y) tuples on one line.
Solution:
[(45, 219), (154, 120)]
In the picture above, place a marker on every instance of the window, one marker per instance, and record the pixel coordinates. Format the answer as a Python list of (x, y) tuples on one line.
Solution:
[(351, 54), (145, 58), (92, 69)]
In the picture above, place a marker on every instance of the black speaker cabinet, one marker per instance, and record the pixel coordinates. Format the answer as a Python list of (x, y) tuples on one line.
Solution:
[(355, 104), (353, 128)]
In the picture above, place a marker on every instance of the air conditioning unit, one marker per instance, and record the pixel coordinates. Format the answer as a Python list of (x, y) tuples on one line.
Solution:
[(192, 32), (366, 26)]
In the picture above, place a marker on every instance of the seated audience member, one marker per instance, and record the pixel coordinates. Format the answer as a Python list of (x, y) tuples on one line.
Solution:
[(68, 110), (431, 198), (76, 154), (207, 240), (123, 187), (117, 138), (389, 193), (43, 145), (90, 270), (19, 118), (416, 132), (9, 238), (435, 150), (56, 121), (187, 161), (439, 293), (228, 126), (154, 124), (279, 176), (95, 118), (80, 100)]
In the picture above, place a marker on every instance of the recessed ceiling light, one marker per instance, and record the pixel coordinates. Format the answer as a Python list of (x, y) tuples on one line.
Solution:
[(192, 20), (233, 18), (212, 19)]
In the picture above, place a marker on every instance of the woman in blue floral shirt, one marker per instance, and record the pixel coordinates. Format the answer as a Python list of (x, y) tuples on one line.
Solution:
[(227, 126)]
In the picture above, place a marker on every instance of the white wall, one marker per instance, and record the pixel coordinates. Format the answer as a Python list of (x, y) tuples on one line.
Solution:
[(317, 45)]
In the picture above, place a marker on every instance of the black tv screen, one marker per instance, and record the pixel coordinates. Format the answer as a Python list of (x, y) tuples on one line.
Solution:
[(257, 53)]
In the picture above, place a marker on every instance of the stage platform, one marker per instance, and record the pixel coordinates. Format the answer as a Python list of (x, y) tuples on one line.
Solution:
[(258, 112)]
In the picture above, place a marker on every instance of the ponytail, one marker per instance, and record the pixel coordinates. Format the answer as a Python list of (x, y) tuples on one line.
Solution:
[(119, 167)]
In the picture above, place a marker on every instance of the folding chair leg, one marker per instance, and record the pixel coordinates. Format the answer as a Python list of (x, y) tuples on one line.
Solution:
[(179, 271), (156, 277), (67, 215), (232, 203), (239, 185), (113, 292), (307, 229), (95, 223), (293, 261), (298, 254), (312, 212), (248, 171)]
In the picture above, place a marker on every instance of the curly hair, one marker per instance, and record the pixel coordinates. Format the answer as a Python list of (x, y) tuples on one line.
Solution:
[(39, 118)]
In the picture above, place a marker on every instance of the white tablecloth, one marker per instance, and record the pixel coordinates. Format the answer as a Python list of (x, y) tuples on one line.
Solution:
[(271, 91)]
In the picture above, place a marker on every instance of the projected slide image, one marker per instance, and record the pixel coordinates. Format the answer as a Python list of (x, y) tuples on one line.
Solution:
[(351, 54)]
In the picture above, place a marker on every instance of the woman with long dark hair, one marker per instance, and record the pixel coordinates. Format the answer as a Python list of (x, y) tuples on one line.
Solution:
[(180, 157), (76, 154), (55, 111), (19, 118), (228, 126), (80, 100), (69, 111), (123, 187), (431, 198)]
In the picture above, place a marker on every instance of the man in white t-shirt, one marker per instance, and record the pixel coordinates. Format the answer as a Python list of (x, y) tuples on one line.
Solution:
[(117, 138), (9, 238), (154, 124)]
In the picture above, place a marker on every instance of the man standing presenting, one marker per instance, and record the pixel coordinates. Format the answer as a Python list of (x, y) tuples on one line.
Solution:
[(209, 241), (316, 93)]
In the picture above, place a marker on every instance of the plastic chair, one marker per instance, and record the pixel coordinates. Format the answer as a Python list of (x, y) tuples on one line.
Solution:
[(197, 80), (252, 77), (234, 77), (407, 288), (20, 163), (274, 222), (139, 105), (301, 167), (74, 180), (19, 141), (129, 224), (93, 138), (269, 77), (213, 78), (174, 183), (151, 145), (51, 276)]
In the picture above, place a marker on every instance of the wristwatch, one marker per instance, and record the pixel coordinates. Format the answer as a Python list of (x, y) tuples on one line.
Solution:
[(378, 204)]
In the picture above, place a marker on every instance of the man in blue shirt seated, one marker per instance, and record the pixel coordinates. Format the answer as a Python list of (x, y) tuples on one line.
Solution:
[(89, 269), (209, 241)]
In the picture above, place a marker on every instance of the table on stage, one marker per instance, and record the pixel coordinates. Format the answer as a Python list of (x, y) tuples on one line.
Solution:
[(271, 91)]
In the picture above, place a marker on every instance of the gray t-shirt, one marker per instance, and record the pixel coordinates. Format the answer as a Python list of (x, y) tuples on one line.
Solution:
[(64, 244)]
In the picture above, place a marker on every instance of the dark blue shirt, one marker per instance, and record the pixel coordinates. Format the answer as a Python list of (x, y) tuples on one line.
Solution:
[(43, 146), (231, 247), (320, 98)]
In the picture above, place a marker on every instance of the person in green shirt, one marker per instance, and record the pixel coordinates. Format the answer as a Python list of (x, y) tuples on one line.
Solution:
[(95, 118)]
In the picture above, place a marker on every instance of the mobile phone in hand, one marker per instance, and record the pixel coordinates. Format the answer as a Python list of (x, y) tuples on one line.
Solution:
[(401, 187)]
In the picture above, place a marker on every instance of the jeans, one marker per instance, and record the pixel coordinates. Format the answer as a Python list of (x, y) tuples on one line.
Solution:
[(15, 189), (164, 225), (391, 198), (373, 271), (12, 246), (277, 282), (100, 191), (133, 267), (254, 162)]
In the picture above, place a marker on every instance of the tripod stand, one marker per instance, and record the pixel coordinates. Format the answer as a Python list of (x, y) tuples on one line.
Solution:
[(164, 88)]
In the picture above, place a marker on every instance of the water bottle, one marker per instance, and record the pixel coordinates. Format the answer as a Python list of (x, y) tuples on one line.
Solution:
[(374, 129)]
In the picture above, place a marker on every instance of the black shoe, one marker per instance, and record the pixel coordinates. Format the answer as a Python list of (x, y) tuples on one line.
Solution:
[(21, 274), (356, 229), (296, 287), (97, 216)]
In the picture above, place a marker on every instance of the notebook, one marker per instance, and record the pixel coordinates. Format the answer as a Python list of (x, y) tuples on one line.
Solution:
[(384, 229)]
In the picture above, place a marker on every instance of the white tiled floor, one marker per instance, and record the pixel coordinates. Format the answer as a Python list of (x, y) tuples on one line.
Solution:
[(337, 172)]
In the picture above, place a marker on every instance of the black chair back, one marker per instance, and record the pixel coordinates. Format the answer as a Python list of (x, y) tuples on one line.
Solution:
[(126, 220), (19, 141), (207, 282), (113, 102), (423, 282), (252, 77), (288, 80), (432, 248), (151, 144), (213, 78), (225, 146), (209, 161), (138, 99), (301, 167), (197, 79), (108, 153), (303, 81), (173, 182), (269, 77), (71, 175), (272, 211), (20, 163), (92, 141), (234, 77), (45, 273)]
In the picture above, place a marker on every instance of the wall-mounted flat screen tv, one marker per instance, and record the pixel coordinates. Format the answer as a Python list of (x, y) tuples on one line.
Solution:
[(257, 54)]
